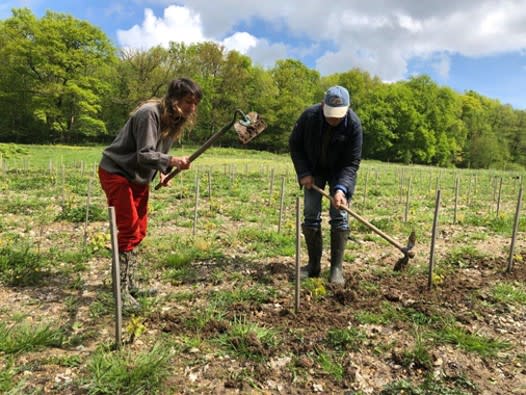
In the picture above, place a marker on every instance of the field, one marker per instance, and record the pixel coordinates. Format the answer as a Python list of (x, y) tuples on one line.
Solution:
[(221, 250)]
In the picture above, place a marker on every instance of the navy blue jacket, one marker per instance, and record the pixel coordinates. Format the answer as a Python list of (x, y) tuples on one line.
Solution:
[(344, 151)]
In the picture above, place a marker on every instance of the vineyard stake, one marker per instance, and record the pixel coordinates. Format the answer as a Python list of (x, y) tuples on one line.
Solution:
[(365, 189), (271, 186), (456, 201), (116, 278), (87, 215), (407, 200), (433, 238), (210, 189), (282, 197), (498, 197), (515, 230), (298, 253), (196, 204)]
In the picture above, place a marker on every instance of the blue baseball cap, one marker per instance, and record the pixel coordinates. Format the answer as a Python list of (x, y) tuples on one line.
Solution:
[(336, 102)]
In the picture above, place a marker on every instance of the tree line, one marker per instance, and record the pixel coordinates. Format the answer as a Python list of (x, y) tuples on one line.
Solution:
[(63, 81)]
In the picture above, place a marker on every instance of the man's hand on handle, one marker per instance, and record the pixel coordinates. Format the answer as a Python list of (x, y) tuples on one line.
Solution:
[(338, 200), (307, 182)]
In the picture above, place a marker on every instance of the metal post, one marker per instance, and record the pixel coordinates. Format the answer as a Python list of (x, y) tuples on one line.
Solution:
[(498, 197), (196, 204), (406, 211), (515, 230), (86, 219), (433, 238), (281, 203), (116, 278), (298, 250), (456, 200)]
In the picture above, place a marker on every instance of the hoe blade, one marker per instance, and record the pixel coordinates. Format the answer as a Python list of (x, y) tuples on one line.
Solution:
[(246, 131)]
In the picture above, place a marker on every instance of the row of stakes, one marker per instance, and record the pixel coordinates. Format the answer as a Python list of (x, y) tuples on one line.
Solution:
[(116, 267)]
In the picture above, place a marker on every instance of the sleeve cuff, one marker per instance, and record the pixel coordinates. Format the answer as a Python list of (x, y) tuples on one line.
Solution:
[(340, 187)]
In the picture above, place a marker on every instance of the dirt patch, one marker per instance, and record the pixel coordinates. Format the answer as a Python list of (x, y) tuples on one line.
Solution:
[(399, 309)]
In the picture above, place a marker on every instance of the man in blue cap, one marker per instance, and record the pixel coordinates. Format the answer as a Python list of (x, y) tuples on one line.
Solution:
[(326, 148)]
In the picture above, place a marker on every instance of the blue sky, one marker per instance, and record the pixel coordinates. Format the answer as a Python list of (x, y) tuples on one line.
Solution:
[(465, 44)]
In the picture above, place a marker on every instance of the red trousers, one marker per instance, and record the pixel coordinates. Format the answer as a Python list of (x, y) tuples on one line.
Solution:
[(131, 208)]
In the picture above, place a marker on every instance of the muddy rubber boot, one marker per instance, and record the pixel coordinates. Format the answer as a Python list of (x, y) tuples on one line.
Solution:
[(314, 247), (134, 286), (128, 301), (338, 241)]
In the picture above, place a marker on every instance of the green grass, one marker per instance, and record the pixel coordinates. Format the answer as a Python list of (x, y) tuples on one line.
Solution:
[(9, 383), (509, 293), (418, 356), (21, 266), (249, 340), (470, 342), (126, 372), (250, 296), (219, 283), (25, 336), (428, 387), (462, 257), (331, 365), (346, 339)]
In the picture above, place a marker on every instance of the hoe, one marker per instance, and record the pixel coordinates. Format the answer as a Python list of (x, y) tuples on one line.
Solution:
[(402, 262), (247, 128)]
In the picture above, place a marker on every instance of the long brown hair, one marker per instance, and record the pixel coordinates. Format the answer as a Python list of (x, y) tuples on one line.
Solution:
[(173, 121)]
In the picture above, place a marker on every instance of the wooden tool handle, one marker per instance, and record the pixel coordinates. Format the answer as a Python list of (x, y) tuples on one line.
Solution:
[(368, 224)]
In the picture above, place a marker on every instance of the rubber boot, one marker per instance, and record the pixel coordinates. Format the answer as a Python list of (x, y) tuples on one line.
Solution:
[(338, 241), (314, 247), (128, 301), (133, 285)]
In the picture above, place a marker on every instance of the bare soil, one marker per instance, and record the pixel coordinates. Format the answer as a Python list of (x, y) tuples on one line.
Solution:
[(291, 367)]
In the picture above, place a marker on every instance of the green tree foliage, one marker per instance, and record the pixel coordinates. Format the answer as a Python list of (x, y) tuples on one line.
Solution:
[(485, 146), (298, 87), (61, 81), (60, 65)]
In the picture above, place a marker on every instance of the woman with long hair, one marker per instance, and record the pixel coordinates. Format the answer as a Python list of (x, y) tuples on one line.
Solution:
[(128, 165)]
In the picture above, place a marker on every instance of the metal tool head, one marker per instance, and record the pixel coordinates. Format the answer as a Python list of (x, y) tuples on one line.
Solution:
[(249, 127), (402, 262)]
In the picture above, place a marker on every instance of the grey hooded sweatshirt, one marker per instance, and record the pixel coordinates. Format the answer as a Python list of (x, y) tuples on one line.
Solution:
[(138, 151)]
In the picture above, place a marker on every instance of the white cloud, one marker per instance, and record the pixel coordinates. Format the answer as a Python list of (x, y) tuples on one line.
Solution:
[(377, 36), (266, 54), (241, 42), (177, 24)]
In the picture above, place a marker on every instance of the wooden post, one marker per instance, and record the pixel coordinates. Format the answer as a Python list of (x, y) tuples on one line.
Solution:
[(365, 189), (406, 211), (210, 189), (515, 230), (86, 219), (456, 201), (63, 191), (271, 187), (298, 254), (433, 238), (498, 197), (281, 200), (196, 204), (116, 278)]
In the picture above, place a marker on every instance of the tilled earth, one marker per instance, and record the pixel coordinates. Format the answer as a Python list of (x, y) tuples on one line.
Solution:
[(292, 366)]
